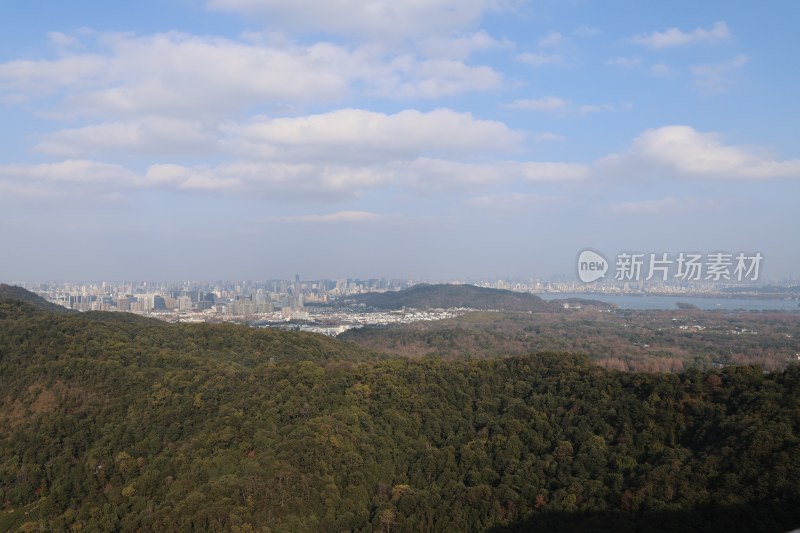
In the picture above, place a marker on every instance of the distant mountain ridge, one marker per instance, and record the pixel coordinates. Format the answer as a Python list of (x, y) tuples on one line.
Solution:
[(443, 296)]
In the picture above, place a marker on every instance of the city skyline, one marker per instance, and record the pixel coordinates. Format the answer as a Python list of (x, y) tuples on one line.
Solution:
[(253, 139), (333, 306)]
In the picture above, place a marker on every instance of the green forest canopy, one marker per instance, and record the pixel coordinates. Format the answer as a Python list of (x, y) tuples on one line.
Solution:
[(112, 422)]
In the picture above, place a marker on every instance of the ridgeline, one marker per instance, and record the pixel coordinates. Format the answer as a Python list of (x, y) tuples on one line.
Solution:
[(18, 294)]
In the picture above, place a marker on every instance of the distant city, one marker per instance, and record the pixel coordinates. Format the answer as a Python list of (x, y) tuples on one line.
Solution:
[(322, 305)]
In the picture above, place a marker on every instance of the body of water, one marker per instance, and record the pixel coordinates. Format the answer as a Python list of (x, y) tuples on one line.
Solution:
[(630, 301)]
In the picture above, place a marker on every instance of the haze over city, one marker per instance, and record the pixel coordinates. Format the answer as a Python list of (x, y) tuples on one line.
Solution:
[(246, 139)]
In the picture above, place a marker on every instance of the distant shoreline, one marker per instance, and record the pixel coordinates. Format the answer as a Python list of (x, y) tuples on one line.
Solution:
[(669, 302)]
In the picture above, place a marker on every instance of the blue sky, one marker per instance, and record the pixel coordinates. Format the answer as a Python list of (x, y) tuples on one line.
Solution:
[(440, 139)]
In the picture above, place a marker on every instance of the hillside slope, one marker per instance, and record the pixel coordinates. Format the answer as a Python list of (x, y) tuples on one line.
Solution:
[(18, 294), (117, 423), (424, 296)]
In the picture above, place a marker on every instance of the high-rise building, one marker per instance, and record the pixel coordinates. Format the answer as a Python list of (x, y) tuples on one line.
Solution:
[(123, 304), (184, 303)]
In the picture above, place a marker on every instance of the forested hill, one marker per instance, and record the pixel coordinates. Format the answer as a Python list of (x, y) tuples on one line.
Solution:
[(18, 294), (443, 296), (34, 335), (111, 422)]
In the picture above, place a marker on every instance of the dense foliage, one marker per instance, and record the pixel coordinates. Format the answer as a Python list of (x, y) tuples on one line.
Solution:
[(117, 423), (443, 296), (660, 341), (12, 292)]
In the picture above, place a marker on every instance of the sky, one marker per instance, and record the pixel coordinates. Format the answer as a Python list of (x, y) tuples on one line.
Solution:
[(429, 139)]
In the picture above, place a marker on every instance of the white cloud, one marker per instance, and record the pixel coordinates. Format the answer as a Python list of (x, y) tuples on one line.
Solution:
[(62, 40), (717, 77), (24, 79), (682, 152), (513, 201), (672, 37), (405, 78), (12, 191), (548, 136), (349, 151), (587, 31), (381, 19), (355, 135), (661, 70), (435, 173), (442, 174), (625, 62), (85, 178), (309, 157), (553, 39), (595, 108), (179, 75), (539, 59), (78, 171), (549, 51), (349, 137), (555, 104), (150, 135), (175, 73), (460, 46), (600, 108), (534, 171), (335, 218), (271, 178), (198, 177), (547, 103), (666, 205)]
